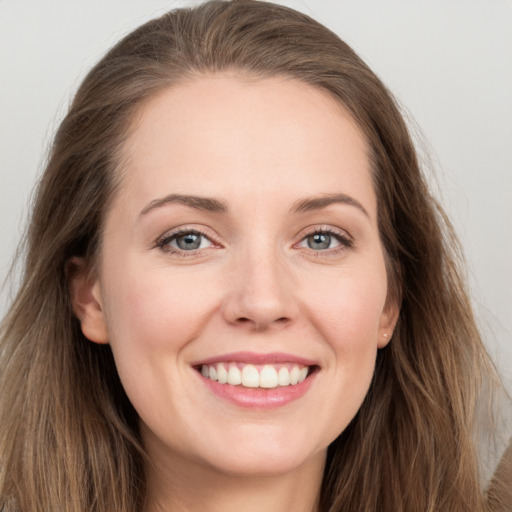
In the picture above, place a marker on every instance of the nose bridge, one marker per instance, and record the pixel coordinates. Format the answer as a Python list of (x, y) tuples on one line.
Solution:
[(261, 291)]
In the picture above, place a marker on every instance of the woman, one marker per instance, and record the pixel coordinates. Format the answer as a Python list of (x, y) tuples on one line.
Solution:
[(250, 298)]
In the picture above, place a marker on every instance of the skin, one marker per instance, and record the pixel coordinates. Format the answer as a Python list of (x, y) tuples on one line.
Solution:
[(256, 284)]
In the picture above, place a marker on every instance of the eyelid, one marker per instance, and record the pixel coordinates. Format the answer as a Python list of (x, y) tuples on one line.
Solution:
[(345, 239), (162, 241)]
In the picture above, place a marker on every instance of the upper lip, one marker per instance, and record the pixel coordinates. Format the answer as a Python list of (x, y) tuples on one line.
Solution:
[(256, 358)]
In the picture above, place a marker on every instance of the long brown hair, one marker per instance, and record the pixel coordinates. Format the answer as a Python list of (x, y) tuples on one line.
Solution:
[(69, 438)]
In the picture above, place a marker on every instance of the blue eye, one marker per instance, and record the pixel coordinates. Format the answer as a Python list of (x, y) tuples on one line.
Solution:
[(189, 241), (185, 241), (323, 240)]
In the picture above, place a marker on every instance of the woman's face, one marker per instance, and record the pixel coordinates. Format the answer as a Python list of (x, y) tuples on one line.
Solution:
[(240, 255)]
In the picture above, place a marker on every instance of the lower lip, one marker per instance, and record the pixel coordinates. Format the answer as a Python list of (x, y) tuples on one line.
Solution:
[(259, 398)]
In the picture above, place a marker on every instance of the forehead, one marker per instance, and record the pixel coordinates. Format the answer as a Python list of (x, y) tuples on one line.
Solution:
[(251, 134)]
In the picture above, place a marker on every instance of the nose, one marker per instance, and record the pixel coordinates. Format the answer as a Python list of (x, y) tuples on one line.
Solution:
[(260, 293)]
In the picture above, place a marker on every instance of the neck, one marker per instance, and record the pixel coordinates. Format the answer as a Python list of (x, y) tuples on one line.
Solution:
[(191, 487)]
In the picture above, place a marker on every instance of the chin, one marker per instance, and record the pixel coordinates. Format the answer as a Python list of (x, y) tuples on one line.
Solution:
[(266, 456), (263, 466)]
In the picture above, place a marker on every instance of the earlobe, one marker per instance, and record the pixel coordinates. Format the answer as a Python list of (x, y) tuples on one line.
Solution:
[(85, 294), (387, 324)]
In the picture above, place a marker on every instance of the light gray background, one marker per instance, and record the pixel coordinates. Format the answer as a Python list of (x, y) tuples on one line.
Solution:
[(449, 62)]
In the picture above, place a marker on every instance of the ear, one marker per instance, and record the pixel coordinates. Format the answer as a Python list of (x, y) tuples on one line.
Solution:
[(85, 293), (387, 322)]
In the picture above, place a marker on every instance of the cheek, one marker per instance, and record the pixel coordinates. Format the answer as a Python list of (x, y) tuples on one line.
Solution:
[(349, 311), (348, 317), (151, 318), (153, 311)]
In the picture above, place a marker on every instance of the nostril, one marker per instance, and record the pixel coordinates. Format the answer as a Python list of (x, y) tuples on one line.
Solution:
[(262, 324)]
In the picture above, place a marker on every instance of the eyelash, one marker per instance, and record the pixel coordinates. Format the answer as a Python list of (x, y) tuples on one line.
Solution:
[(163, 243), (345, 241)]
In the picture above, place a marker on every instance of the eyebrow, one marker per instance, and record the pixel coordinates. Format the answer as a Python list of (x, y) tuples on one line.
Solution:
[(210, 204), (317, 203), (199, 203)]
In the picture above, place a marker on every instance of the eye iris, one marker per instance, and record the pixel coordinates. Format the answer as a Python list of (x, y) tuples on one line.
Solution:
[(319, 241), (189, 241)]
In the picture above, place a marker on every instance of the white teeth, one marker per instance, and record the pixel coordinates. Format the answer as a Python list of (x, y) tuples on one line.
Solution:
[(268, 377), (294, 375), (222, 374), (284, 376), (251, 376), (234, 375)]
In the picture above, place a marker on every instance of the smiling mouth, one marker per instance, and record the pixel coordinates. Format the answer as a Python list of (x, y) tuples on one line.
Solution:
[(263, 376)]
